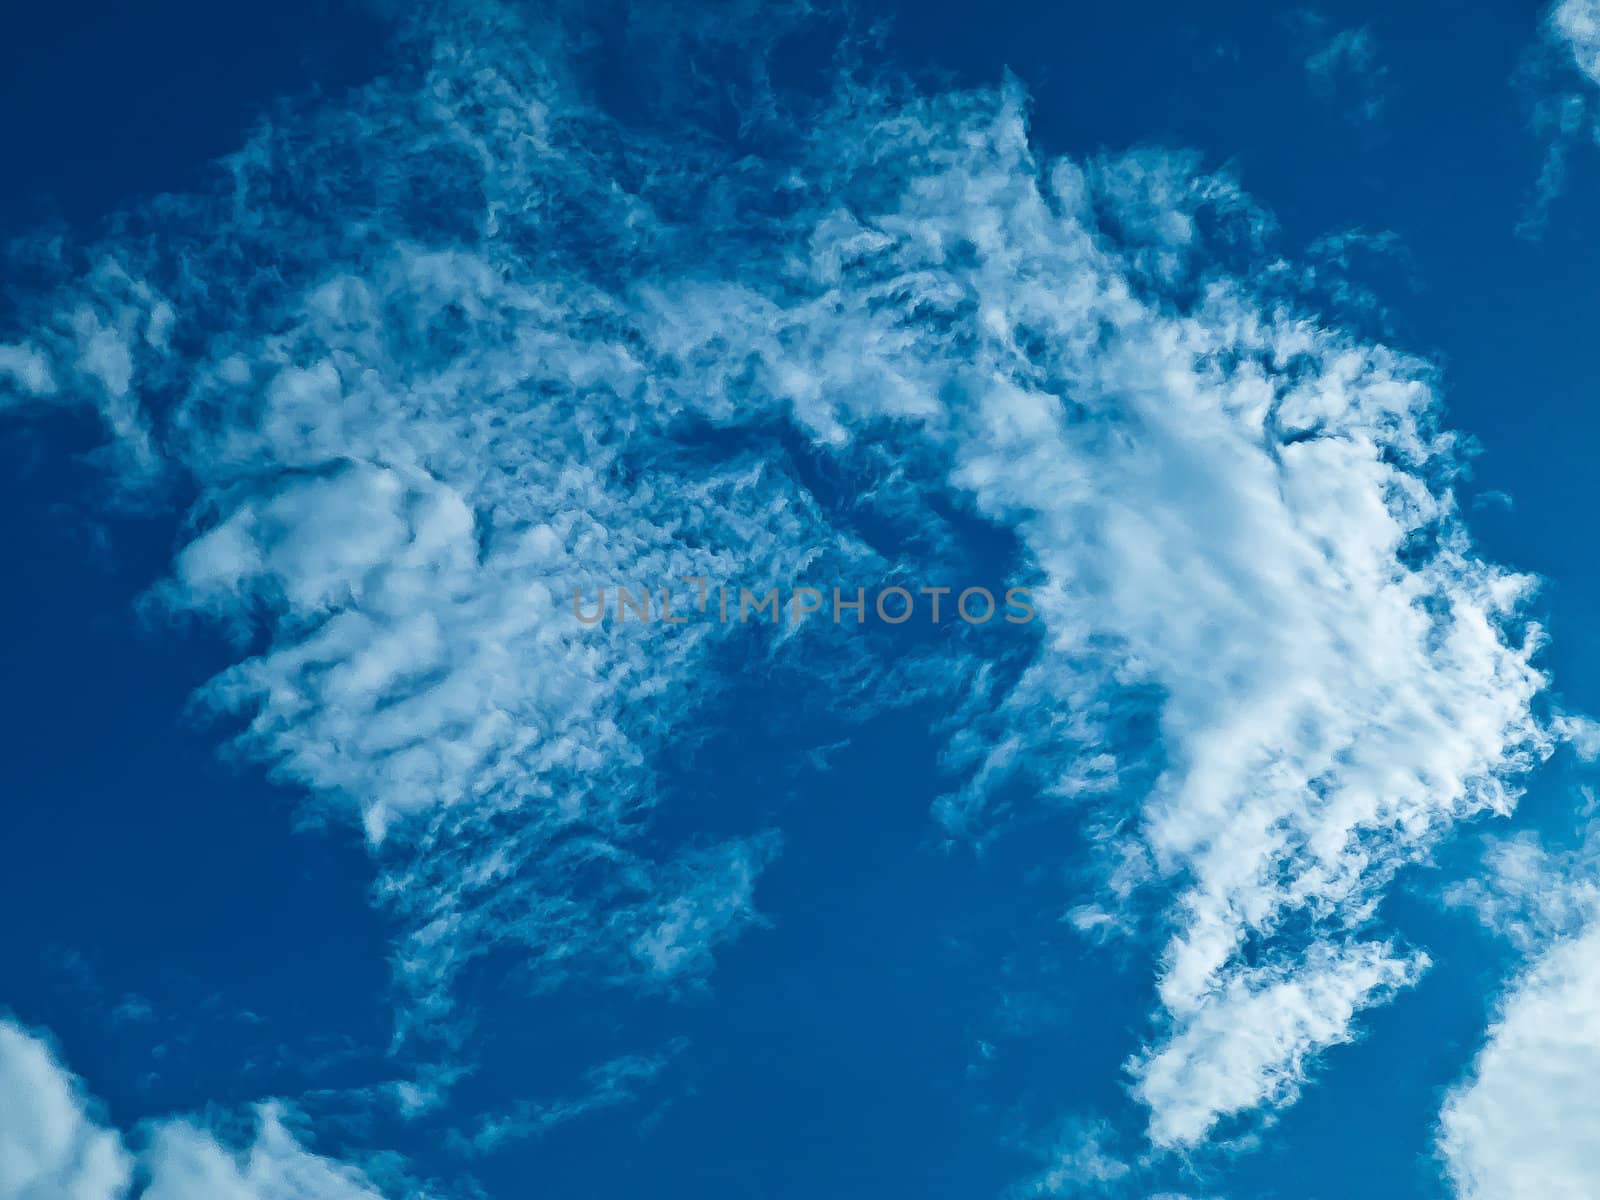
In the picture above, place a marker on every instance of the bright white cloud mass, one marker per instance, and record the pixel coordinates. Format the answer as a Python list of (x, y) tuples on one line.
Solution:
[(50, 1143), (1524, 1124), (54, 1145), (434, 355)]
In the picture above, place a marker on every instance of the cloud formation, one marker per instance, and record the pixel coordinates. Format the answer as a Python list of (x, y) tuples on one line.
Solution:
[(1560, 81), (1243, 523), (55, 1145), (52, 1146), (1344, 67), (434, 356), (1521, 1124)]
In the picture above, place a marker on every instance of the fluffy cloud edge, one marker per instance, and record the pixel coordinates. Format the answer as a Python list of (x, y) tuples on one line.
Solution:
[(56, 1143)]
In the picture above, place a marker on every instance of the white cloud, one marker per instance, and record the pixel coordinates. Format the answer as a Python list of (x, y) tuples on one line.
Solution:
[(405, 461), (1078, 1163), (1250, 1042), (1561, 83), (1234, 509), (1522, 1123), (1522, 1127), (712, 895), (1529, 894), (55, 1145), (27, 368), (185, 1161), (1576, 24), (612, 1083), (1580, 732), (1344, 68), (1081, 1159), (486, 373)]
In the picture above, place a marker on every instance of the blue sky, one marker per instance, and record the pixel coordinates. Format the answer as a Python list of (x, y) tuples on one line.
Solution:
[(341, 344)]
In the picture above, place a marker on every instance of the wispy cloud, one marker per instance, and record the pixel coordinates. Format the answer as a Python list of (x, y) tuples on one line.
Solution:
[(436, 355), (405, 452), (1081, 1159), (1078, 1161), (613, 1083), (1559, 78), (1250, 1042), (1245, 527), (1530, 894), (1343, 66)]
